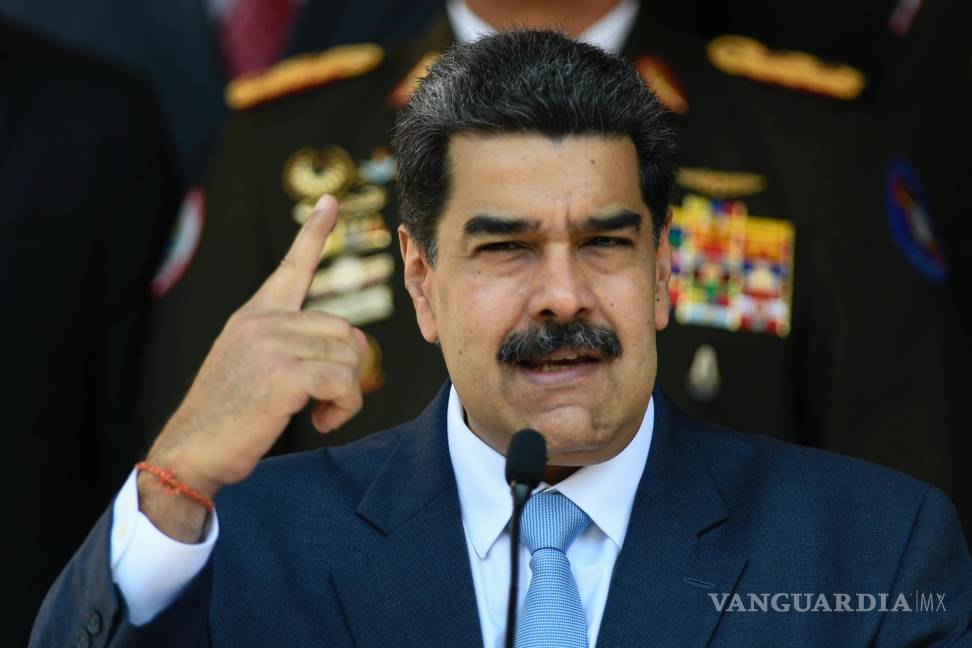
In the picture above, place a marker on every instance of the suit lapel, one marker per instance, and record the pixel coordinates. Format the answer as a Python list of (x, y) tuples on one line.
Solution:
[(415, 586), (675, 552)]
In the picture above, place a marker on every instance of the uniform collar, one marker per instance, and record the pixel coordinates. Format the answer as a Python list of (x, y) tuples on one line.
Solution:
[(609, 32), (605, 491)]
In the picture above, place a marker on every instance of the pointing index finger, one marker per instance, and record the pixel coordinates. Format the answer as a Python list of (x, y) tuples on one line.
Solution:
[(287, 286)]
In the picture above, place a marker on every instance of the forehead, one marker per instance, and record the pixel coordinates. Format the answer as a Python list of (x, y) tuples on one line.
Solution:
[(534, 175)]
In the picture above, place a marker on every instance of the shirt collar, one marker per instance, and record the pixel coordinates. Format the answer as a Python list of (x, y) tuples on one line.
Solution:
[(604, 491), (609, 32)]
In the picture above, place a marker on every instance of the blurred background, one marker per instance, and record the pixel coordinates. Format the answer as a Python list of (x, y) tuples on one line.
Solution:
[(157, 158)]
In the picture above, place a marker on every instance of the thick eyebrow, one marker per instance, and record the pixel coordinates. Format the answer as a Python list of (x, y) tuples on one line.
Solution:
[(619, 221), (484, 224)]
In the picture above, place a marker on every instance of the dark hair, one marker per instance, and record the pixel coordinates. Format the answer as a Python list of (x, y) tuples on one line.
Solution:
[(525, 81)]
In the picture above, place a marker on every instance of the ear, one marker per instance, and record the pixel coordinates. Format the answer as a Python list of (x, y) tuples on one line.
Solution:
[(663, 272), (419, 282)]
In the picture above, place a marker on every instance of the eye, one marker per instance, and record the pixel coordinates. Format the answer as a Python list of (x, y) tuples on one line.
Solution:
[(609, 241), (500, 246)]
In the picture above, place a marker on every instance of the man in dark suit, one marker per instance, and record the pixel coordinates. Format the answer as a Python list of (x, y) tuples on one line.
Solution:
[(534, 178), (177, 45), (805, 174), (89, 188)]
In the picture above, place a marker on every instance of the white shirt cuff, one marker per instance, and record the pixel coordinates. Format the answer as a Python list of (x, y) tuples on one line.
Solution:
[(150, 568)]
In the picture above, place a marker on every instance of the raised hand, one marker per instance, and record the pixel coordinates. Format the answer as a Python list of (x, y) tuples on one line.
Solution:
[(269, 361)]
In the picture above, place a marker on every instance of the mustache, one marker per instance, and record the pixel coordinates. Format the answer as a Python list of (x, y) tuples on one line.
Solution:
[(536, 343)]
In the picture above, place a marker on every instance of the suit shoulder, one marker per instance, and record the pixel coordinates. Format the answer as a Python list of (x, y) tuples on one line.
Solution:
[(40, 63), (303, 73), (751, 464), (824, 499)]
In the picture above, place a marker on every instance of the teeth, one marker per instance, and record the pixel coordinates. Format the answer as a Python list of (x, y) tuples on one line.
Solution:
[(559, 366)]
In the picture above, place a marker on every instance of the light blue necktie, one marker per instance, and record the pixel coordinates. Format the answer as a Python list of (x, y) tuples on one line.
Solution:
[(552, 615)]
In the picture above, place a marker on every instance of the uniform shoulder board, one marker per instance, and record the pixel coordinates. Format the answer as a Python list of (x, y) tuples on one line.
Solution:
[(744, 56), (303, 72)]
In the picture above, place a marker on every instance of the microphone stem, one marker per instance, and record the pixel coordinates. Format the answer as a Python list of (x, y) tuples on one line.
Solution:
[(520, 494)]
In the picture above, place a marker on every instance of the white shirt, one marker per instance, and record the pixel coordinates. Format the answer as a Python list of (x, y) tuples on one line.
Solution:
[(151, 569), (609, 32), (605, 492)]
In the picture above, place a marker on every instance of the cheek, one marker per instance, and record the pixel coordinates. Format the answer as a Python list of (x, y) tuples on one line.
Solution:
[(480, 311), (630, 309)]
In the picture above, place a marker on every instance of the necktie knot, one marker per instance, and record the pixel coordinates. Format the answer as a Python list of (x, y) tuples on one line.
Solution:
[(551, 521)]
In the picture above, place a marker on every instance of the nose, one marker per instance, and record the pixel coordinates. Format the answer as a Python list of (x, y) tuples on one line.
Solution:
[(560, 289)]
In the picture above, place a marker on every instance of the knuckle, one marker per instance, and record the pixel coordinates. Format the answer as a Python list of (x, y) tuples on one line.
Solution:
[(352, 355), (345, 353), (321, 378), (340, 326), (345, 377), (328, 348)]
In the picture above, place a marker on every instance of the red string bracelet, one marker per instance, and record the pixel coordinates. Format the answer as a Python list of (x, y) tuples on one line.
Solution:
[(172, 485)]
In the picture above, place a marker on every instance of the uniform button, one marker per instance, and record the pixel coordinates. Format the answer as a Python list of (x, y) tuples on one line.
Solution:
[(82, 640), (93, 624)]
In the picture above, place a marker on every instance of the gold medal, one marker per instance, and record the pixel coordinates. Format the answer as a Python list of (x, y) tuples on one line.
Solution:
[(310, 173)]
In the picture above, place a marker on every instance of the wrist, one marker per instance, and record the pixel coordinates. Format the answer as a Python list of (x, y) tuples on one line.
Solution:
[(178, 517), (185, 469), (175, 514)]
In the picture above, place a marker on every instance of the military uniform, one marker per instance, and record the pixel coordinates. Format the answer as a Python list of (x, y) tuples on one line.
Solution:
[(795, 314), (274, 160), (808, 282)]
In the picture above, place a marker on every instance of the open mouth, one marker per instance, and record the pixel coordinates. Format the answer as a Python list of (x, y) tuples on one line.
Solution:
[(560, 361)]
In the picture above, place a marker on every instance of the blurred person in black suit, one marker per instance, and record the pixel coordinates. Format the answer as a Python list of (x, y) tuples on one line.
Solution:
[(88, 188), (178, 45)]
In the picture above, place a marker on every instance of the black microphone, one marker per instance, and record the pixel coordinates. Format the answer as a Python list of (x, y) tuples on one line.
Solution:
[(526, 459)]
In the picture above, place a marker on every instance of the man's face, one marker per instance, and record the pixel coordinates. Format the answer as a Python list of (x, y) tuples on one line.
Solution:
[(536, 235)]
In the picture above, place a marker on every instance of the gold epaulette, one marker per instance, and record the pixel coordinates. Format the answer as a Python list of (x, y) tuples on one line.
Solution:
[(302, 72), (744, 56)]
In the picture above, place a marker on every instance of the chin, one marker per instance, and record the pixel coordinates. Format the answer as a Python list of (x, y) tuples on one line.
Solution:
[(571, 431)]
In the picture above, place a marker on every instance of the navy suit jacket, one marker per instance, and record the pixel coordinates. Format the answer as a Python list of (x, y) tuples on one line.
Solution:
[(363, 545)]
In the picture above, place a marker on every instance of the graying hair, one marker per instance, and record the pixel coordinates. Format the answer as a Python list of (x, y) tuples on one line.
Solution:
[(526, 81), (541, 341)]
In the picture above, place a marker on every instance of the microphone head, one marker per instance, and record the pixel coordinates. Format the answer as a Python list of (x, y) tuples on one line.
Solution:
[(526, 458)]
